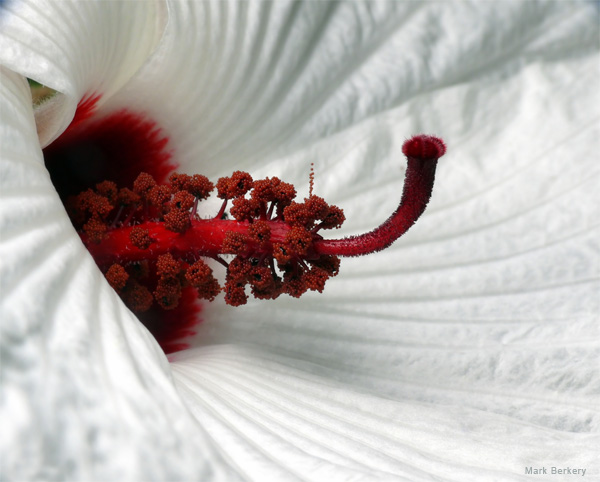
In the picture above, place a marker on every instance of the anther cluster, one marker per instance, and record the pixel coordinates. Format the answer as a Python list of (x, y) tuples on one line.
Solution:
[(151, 244)]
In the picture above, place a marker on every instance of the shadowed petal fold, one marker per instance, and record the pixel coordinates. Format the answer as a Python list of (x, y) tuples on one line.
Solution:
[(83, 50)]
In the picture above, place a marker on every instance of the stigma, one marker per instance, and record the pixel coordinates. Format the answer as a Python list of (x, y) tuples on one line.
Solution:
[(151, 244)]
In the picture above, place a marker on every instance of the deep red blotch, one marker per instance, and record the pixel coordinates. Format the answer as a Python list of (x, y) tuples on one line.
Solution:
[(113, 148), (117, 148)]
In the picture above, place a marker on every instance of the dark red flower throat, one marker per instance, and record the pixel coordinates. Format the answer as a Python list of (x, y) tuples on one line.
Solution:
[(150, 243)]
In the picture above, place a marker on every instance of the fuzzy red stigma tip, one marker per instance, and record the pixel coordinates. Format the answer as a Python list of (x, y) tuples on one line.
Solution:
[(424, 147), (150, 243)]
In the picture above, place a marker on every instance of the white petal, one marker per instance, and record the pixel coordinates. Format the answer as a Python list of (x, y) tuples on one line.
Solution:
[(87, 393), (81, 49), (285, 424), (257, 80)]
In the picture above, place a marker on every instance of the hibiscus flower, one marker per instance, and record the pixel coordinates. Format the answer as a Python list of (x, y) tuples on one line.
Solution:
[(466, 351)]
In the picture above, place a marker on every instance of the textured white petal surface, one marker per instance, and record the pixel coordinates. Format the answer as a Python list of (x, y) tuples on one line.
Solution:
[(86, 392), (284, 424), (263, 79), (79, 48)]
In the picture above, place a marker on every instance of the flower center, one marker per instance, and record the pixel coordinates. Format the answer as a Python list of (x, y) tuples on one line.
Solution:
[(147, 238), (152, 232)]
